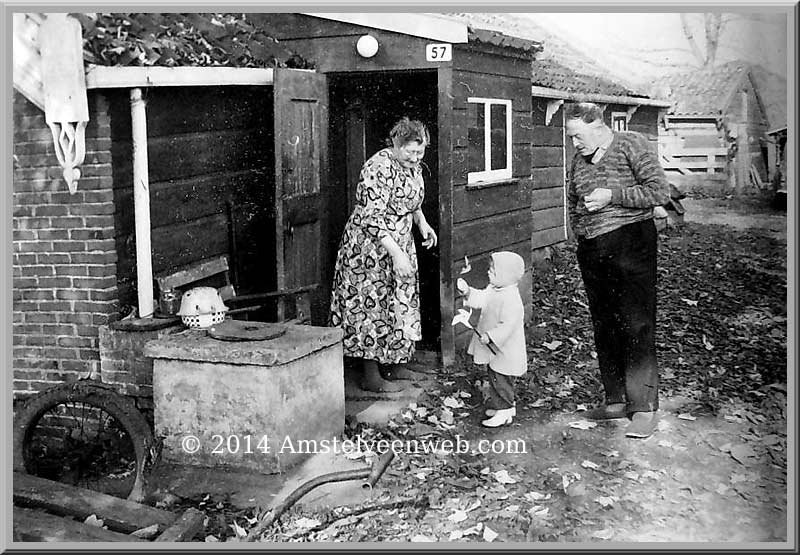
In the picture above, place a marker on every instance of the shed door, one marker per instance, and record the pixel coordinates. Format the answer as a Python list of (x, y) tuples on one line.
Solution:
[(301, 123)]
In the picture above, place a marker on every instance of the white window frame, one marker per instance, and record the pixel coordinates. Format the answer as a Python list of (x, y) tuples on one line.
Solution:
[(619, 115), (488, 174)]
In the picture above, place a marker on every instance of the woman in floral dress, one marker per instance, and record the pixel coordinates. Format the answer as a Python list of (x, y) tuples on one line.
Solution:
[(375, 294)]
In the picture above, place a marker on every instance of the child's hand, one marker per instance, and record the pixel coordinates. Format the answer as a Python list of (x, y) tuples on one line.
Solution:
[(462, 286)]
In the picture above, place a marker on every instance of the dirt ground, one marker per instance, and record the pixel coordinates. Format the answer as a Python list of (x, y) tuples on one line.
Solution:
[(715, 471)]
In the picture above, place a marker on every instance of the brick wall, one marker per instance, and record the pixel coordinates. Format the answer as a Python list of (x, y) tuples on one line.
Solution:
[(64, 258), (123, 362)]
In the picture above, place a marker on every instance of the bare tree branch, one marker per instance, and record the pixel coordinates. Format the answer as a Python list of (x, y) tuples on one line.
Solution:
[(713, 27), (687, 31)]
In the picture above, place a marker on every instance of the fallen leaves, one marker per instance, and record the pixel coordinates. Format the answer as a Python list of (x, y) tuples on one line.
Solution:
[(503, 477), (553, 345), (583, 424), (743, 454)]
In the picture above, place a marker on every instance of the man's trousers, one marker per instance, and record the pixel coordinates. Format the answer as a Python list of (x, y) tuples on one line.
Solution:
[(619, 274)]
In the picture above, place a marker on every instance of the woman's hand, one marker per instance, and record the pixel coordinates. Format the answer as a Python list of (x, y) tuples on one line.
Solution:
[(402, 264), (485, 339), (429, 238)]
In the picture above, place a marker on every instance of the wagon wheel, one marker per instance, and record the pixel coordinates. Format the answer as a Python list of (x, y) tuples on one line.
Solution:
[(86, 434)]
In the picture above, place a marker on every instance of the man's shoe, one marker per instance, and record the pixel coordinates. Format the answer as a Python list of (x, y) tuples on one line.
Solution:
[(604, 413), (642, 425), (492, 412)]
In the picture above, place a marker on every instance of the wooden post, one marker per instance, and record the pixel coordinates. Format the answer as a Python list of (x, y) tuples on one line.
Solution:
[(141, 205), (742, 150)]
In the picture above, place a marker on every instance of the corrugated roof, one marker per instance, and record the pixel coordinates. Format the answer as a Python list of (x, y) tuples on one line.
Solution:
[(560, 66), (701, 92)]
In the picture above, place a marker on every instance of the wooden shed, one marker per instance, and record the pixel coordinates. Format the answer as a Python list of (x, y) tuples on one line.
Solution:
[(562, 74), (473, 91), (714, 133), (259, 164)]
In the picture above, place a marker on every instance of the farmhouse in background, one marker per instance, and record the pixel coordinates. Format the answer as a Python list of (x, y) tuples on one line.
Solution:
[(713, 137)]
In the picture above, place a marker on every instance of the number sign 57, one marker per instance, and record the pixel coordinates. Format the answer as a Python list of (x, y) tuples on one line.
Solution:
[(439, 52)]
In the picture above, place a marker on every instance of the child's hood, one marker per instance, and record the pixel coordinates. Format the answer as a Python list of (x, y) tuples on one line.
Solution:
[(508, 268)]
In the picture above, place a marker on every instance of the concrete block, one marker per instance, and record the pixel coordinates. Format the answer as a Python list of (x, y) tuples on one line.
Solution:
[(251, 405)]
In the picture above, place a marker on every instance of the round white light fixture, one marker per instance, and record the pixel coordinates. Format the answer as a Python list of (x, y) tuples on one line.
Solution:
[(367, 46)]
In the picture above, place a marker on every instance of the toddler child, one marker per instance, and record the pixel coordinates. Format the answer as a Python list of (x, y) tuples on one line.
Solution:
[(501, 331)]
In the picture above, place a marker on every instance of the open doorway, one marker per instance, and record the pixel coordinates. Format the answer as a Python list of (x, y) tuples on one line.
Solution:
[(363, 107)]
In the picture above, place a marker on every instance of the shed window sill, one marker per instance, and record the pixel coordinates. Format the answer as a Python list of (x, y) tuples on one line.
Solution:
[(494, 183)]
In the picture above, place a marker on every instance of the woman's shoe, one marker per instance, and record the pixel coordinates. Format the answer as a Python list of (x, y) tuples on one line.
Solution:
[(501, 417), (492, 412), (395, 372), (371, 380)]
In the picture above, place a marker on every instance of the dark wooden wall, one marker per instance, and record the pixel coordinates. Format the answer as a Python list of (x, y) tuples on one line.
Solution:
[(331, 45), (547, 167), (488, 218), (211, 170)]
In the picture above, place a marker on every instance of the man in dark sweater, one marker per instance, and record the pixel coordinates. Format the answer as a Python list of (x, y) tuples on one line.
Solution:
[(615, 181)]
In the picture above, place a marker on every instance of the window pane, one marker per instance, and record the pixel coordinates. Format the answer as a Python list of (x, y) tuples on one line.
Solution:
[(499, 131), (475, 135)]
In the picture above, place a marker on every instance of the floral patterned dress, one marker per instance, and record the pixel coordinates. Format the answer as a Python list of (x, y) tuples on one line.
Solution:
[(378, 310)]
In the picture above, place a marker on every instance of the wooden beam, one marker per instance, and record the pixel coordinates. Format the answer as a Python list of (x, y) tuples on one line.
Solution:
[(120, 515), (190, 523), (104, 77), (546, 92), (416, 25), (36, 526)]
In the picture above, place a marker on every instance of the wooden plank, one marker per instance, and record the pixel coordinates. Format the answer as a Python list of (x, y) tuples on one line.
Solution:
[(549, 135), (179, 245), (547, 237), (480, 263), (700, 151), (120, 515), (491, 233), (188, 199), (203, 270), (547, 198), (690, 164), (521, 128), (472, 203), (192, 154), (445, 122), (179, 110), (119, 77), (547, 178), (547, 157), (36, 526), (548, 217), (335, 53), (185, 528), (469, 84), (466, 60)]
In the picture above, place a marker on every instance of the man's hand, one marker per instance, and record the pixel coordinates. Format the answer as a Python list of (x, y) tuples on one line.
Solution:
[(462, 286), (597, 199)]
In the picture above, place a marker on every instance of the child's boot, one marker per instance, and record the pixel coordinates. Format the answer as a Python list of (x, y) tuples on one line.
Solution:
[(501, 417)]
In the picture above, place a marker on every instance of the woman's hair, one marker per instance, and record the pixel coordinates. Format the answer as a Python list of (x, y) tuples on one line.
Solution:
[(587, 112), (408, 130)]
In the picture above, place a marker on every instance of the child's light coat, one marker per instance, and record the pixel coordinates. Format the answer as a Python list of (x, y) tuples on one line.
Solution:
[(502, 318)]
